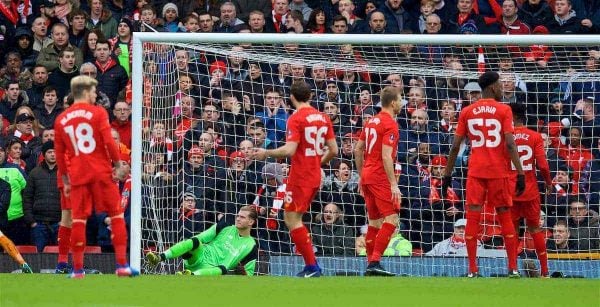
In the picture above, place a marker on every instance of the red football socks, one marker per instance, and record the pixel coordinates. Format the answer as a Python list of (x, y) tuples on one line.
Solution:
[(539, 242), (471, 232), (370, 240), (119, 239), (64, 243), (301, 238), (510, 238), (382, 240), (78, 244)]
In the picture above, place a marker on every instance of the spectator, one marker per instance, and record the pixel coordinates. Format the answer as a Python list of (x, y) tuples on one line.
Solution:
[(240, 179), (526, 246), (122, 122), (13, 99), (346, 8), (77, 29), (341, 187), (124, 152), (466, 15), (122, 44), (229, 23), (274, 116), (561, 239), (535, 13), (112, 77), (396, 17), (41, 200), (378, 24), (565, 20), (13, 69), (259, 24), (60, 78), (511, 23), (89, 45), (418, 132), (48, 12), (259, 136), (587, 121), (101, 18), (339, 122), (317, 23), (331, 236), (295, 23), (187, 119), (40, 37), (279, 14), (149, 22), (455, 245), (36, 92), (574, 153), (48, 56), (426, 8), (301, 6), (563, 188), (26, 129), (191, 216), (340, 25), (205, 22), (191, 23), (16, 228), (24, 46), (245, 8), (583, 226), (46, 114), (90, 70)]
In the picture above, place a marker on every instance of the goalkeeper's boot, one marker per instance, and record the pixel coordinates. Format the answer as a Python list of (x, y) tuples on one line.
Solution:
[(126, 271), (62, 268), (473, 275), (310, 271), (25, 268), (375, 269), (153, 259), (514, 274), (77, 274), (184, 272)]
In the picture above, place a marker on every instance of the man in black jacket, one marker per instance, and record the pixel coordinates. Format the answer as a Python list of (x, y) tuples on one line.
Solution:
[(41, 200)]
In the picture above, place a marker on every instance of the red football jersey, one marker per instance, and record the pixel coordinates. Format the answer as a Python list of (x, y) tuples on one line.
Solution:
[(531, 154), (381, 130), (485, 122), (83, 135), (310, 129)]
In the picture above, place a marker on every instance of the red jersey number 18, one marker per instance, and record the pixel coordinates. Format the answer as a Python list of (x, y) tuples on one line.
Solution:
[(316, 137), (82, 138)]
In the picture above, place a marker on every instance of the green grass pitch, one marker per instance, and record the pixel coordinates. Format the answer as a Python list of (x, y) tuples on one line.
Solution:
[(108, 290)]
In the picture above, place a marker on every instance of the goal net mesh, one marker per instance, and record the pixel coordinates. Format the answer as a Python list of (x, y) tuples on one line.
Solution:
[(205, 106)]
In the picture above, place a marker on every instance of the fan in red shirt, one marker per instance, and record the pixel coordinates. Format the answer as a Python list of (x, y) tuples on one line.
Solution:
[(83, 136), (489, 126), (530, 147), (308, 132), (377, 148)]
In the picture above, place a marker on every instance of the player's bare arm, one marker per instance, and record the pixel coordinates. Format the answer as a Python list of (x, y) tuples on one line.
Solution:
[(388, 166), (359, 157), (287, 150), (332, 151)]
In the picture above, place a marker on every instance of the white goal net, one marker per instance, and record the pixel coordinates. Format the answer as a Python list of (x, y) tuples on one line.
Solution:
[(202, 102)]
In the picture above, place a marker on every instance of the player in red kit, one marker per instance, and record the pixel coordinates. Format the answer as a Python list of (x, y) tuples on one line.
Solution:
[(64, 227), (377, 148), (308, 133), (530, 147), (489, 126), (83, 136)]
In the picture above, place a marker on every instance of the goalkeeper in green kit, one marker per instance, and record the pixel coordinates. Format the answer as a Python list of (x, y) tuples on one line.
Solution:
[(217, 250)]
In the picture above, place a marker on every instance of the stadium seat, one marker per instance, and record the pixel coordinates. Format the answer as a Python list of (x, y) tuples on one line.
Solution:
[(93, 250), (27, 249), (51, 249), (417, 252)]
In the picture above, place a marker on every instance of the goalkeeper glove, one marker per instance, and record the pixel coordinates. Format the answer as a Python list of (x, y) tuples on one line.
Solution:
[(446, 182), (520, 187)]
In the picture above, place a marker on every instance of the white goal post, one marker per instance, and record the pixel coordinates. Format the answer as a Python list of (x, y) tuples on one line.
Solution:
[(187, 39)]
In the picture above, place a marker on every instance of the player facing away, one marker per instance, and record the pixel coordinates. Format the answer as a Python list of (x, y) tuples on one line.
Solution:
[(83, 136), (530, 147), (310, 142), (64, 229), (217, 250), (488, 124), (375, 154)]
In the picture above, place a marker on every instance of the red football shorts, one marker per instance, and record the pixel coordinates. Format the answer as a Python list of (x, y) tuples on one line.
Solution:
[(496, 191), (65, 202), (529, 210), (298, 199), (378, 198), (103, 194)]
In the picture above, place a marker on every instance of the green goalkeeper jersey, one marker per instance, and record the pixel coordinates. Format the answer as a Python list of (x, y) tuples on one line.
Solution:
[(222, 246)]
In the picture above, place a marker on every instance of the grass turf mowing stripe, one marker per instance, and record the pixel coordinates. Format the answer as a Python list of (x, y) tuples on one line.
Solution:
[(108, 290)]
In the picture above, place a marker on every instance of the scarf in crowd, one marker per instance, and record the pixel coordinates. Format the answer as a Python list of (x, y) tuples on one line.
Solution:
[(11, 12), (447, 126), (562, 192), (125, 193), (434, 193), (21, 162), (279, 21), (457, 242), (24, 137), (277, 203)]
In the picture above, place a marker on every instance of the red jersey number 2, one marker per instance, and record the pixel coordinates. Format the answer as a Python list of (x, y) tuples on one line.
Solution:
[(82, 138), (316, 137)]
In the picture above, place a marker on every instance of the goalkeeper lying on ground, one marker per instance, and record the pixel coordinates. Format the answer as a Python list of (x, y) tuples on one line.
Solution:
[(218, 250)]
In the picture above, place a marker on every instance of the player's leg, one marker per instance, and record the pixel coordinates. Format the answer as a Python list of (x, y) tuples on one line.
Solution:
[(380, 196), (500, 198), (475, 197), (10, 248), (188, 249), (64, 234), (298, 200), (533, 222), (81, 208), (375, 221)]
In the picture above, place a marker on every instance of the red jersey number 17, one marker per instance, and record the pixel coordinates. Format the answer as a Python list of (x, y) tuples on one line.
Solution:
[(82, 138)]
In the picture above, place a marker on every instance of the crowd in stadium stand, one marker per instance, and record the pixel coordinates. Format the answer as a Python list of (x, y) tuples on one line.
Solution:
[(197, 142)]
